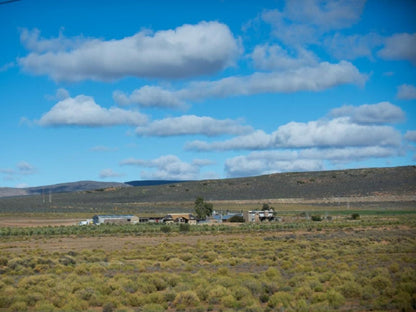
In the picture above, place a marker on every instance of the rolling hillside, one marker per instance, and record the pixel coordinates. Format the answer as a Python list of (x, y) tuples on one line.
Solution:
[(58, 188), (377, 182)]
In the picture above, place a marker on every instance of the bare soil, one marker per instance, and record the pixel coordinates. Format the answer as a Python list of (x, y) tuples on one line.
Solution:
[(11, 221)]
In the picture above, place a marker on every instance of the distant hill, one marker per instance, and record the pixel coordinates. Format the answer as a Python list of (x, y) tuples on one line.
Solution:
[(153, 182), (394, 183), (59, 188)]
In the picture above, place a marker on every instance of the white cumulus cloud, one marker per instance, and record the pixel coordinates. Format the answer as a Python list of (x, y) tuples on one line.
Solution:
[(406, 92), (337, 132), (311, 159), (274, 57), (400, 47), (83, 111), (168, 167), (258, 163), (380, 113), (191, 124), (109, 173), (188, 50), (303, 22), (411, 135), (307, 78), (353, 46)]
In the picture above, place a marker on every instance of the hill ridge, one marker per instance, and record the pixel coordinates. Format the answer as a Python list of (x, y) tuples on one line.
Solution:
[(384, 183)]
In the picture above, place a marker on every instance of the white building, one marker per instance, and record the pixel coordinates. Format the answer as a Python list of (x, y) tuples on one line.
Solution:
[(259, 215)]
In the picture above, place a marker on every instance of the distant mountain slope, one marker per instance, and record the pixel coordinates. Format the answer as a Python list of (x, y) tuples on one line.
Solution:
[(153, 182), (59, 188), (393, 182)]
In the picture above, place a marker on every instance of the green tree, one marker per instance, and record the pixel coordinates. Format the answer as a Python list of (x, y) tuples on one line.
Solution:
[(266, 207), (202, 209)]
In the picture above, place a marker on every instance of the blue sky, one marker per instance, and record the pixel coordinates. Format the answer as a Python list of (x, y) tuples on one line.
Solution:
[(130, 90)]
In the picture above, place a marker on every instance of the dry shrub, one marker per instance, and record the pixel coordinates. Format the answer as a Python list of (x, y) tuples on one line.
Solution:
[(281, 300), (153, 307), (216, 293), (18, 306), (173, 263), (186, 299), (351, 289), (335, 299)]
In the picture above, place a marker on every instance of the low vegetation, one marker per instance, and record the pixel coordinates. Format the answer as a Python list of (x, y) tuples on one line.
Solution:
[(346, 264)]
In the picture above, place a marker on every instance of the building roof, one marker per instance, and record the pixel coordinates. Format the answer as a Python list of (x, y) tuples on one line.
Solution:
[(114, 216)]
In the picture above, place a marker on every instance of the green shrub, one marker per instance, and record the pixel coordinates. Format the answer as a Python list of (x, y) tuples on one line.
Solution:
[(355, 216), (316, 218), (184, 227), (165, 228)]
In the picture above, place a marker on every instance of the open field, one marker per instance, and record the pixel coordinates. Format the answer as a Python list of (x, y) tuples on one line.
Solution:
[(367, 264)]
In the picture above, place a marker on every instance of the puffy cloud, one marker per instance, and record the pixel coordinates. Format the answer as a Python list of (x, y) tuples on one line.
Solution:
[(255, 140), (109, 173), (411, 135), (257, 163), (303, 22), (325, 14), (168, 167), (274, 57), (400, 47), (349, 154), (25, 168), (338, 132), (264, 162), (83, 111), (334, 133), (380, 113), (188, 50), (150, 96), (406, 92), (32, 41), (310, 78), (353, 46), (191, 124)]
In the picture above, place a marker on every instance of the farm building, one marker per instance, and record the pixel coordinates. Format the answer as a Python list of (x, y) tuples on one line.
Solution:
[(259, 215), (180, 218), (115, 219)]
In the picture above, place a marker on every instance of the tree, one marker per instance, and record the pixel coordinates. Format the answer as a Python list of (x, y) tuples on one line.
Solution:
[(202, 209)]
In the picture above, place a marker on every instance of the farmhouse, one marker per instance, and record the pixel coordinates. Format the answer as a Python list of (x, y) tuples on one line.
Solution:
[(259, 215), (180, 218), (115, 219)]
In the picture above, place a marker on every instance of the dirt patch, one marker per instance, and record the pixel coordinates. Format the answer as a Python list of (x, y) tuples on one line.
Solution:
[(34, 222)]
